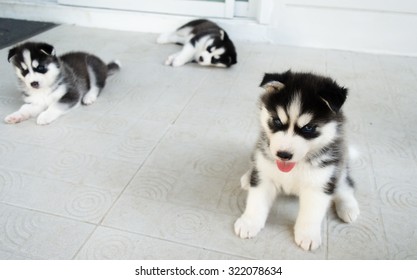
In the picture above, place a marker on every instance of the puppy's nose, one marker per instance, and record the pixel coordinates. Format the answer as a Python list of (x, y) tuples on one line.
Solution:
[(201, 59), (34, 84), (284, 155)]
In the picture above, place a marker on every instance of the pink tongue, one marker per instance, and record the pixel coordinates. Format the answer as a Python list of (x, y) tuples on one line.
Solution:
[(285, 166)]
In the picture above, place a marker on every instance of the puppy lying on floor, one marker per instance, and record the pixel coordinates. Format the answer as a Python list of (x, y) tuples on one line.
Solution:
[(203, 42)]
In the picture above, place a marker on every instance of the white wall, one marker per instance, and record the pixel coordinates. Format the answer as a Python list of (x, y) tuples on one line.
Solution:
[(382, 26), (378, 26)]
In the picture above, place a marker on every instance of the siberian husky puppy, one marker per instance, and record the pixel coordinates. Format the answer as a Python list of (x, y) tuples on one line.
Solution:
[(203, 42), (301, 151), (52, 85)]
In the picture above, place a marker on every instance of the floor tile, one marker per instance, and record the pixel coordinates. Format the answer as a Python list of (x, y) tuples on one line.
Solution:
[(111, 244), (70, 200), (33, 235)]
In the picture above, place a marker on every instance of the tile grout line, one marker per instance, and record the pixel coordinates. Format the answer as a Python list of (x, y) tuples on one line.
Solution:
[(172, 241), (134, 175), (189, 100), (99, 223)]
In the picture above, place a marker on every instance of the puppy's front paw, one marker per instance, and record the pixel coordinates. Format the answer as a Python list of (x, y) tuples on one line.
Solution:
[(174, 60), (246, 227), (177, 62), (45, 118), (348, 212), (16, 117), (245, 180), (89, 99), (169, 60), (307, 238)]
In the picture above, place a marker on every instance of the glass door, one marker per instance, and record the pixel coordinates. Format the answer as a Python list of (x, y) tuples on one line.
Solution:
[(200, 8)]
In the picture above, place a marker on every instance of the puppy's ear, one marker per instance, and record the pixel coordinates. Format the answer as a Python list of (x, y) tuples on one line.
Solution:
[(334, 96), (12, 52), (47, 49), (233, 59), (272, 82), (222, 33)]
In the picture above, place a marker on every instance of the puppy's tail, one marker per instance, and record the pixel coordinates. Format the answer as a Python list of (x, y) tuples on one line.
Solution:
[(113, 67)]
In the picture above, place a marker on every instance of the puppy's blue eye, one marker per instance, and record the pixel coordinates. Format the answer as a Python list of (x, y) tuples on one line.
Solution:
[(277, 123), (308, 129), (41, 69)]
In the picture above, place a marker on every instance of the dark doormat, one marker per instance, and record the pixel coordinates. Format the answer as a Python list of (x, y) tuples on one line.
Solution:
[(13, 31)]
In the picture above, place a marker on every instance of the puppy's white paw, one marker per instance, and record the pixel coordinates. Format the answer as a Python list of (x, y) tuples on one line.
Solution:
[(245, 180), (174, 60), (348, 212), (163, 38), (307, 238), (170, 59), (45, 118), (246, 227), (177, 62), (89, 99), (16, 117)]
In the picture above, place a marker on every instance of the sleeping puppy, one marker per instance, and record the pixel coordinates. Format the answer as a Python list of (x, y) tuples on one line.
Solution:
[(52, 85), (203, 42), (301, 151)]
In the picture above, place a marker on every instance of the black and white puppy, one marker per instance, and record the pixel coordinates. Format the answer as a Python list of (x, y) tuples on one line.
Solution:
[(204, 42), (52, 85), (301, 151)]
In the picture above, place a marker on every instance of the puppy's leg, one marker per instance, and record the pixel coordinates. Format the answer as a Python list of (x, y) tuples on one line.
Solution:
[(177, 37), (97, 74), (170, 59), (164, 38), (25, 112), (313, 208), (170, 37), (347, 207), (53, 112), (182, 57), (91, 96), (245, 180), (68, 101), (258, 204)]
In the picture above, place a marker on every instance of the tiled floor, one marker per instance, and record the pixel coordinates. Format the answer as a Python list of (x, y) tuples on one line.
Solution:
[(151, 171)]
